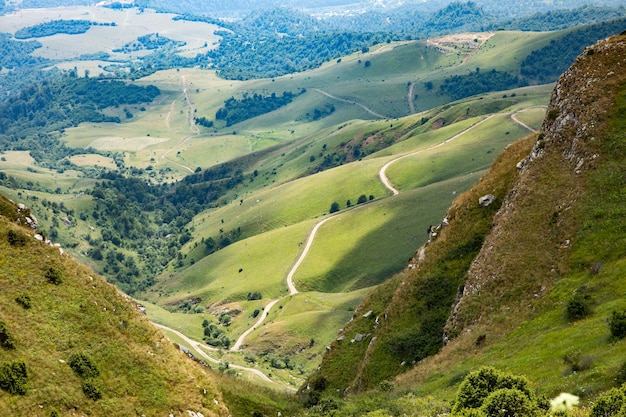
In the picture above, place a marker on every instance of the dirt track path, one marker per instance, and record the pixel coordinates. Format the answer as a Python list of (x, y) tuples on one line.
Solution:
[(192, 124), (199, 347), (343, 100), (260, 321), (383, 171)]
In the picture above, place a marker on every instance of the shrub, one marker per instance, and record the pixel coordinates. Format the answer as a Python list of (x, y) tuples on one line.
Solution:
[(334, 207), (7, 340), (479, 385), (14, 377), (54, 276), (23, 300), (578, 307), (609, 404), (83, 366), (617, 324), (16, 238), (91, 390), (578, 362), (508, 402)]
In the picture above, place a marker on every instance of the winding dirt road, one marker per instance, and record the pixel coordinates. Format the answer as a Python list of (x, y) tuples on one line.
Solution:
[(260, 321), (191, 121), (343, 100), (199, 347)]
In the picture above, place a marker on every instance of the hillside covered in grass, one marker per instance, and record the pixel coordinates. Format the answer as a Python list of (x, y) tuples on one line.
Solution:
[(72, 344), (527, 283)]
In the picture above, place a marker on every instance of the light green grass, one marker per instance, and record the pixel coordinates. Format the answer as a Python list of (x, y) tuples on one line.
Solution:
[(474, 150)]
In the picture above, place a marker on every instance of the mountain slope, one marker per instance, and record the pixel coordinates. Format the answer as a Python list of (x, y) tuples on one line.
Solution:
[(71, 343), (556, 215)]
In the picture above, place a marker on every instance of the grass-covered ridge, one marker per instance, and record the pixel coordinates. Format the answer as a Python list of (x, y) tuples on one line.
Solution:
[(78, 344)]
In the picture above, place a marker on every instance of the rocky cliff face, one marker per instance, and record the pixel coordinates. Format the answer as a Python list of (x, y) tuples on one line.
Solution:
[(531, 242)]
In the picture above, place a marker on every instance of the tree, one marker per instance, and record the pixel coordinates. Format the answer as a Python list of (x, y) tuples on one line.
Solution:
[(362, 199), (334, 207)]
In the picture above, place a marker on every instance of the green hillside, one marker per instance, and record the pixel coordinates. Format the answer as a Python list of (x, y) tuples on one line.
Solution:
[(71, 343), (527, 284)]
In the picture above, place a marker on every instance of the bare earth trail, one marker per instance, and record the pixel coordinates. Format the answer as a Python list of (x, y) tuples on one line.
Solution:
[(199, 346), (191, 122), (343, 100), (409, 97), (383, 171)]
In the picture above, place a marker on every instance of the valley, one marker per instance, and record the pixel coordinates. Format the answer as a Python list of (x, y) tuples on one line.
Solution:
[(304, 230)]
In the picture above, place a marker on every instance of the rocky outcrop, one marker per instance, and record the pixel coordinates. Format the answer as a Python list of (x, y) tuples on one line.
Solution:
[(534, 230)]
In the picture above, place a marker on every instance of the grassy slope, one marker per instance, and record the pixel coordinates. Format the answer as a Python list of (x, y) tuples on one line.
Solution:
[(527, 271), (140, 371)]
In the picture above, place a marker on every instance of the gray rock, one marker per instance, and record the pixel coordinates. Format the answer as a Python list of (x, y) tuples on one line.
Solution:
[(486, 200)]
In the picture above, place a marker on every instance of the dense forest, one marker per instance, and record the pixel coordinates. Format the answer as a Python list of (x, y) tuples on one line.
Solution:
[(29, 118), (249, 106), (546, 64), (70, 27)]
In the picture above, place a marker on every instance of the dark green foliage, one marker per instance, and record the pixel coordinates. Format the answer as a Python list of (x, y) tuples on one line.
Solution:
[(83, 366), (579, 306), (53, 275), (362, 199), (7, 341), (617, 324), (235, 111), (578, 362), (546, 64), (215, 336), (23, 300), (479, 385), (72, 27), (92, 390), (455, 17), (203, 121), (477, 82), (508, 402), (14, 377), (16, 238), (256, 295), (609, 404), (334, 207)]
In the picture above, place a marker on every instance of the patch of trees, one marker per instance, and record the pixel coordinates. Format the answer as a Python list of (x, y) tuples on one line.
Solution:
[(477, 82), (15, 54), (249, 106), (214, 335), (150, 42), (545, 65), (70, 27), (203, 121), (320, 113), (563, 19), (31, 119), (458, 17)]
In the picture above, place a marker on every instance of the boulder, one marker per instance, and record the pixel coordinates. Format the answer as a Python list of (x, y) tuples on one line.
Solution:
[(486, 200)]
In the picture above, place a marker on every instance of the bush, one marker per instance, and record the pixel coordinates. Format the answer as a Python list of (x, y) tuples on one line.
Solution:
[(617, 324), (621, 375), (578, 362), (334, 207), (7, 340), (23, 300), (91, 390), (14, 377), (54, 276), (479, 385), (83, 366), (578, 307), (508, 402), (609, 404), (16, 238)]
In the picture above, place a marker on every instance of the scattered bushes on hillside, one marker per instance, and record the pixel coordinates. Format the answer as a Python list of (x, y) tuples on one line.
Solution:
[(617, 324), (82, 365), (54, 276), (214, 335), (14, 377)]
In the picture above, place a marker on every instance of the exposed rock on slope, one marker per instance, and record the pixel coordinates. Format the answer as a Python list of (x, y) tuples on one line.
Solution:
[(492, 267)]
